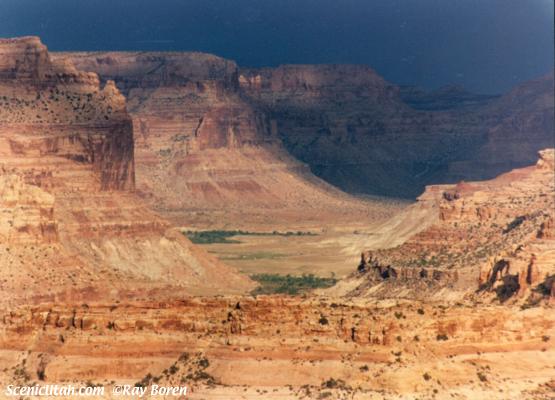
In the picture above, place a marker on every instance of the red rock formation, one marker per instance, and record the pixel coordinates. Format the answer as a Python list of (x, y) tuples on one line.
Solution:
[(27, 212), (494, 235), (71, 226), (348, 124), (201, 148), (315, 84), (233, 347), (68, 112)]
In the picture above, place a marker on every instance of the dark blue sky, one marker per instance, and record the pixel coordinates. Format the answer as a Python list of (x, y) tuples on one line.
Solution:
[(486, 45)]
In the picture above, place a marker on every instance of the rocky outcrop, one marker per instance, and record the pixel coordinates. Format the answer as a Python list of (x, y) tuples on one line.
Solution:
[(232, 347), (64, 113), (25, 61), (345, 122), (71, 225), (27, 212), (491, 236), (316, 85)]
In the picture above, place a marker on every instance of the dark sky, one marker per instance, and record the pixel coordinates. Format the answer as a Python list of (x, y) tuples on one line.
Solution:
[(486, 45)]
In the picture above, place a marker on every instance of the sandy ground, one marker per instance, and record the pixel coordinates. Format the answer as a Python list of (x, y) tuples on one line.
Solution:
[(321, 255), (332, 250)]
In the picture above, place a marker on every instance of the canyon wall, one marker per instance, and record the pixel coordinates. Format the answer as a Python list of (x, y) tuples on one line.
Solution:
[(72, 226), (523, 125), (490, 237), (205, 153), (356, 131), (63, 113), (195, 114)]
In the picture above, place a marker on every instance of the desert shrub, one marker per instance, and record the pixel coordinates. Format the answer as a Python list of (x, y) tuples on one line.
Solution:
[(144, 382), (204, 363), (334, 384), (515, 223)]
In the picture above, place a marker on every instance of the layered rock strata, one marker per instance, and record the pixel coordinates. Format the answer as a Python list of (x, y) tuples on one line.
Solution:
[(283, 348), (358, 132), (71, 225), (201, 148), (494, 236), (195, 114)]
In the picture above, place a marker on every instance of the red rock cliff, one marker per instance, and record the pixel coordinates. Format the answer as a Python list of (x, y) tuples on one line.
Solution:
[(71, 227), (494, 236), (49, 108), (201, 146)]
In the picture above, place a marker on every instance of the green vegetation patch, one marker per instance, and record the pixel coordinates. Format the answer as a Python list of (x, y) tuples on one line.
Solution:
[(208, 237), (217, 236), (288, 284), (258, 255)]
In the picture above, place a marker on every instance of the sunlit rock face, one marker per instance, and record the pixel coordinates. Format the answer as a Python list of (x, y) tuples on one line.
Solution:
[(491, 237), (71, 225), (51, 109), (201, 146), (228, 347), (195, 114)]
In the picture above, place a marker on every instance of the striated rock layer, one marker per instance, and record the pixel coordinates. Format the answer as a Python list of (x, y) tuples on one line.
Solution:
[(50, 109), (494, 236), (202, 148), (284, 348), (70, 225), (212, 137), (356, 131)]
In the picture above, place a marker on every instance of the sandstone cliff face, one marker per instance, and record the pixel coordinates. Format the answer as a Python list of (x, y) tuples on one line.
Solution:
[(317, 84), (64, 113), (26, 60), (350, 126), (200, 147), (492, 236), (71, 225), (27, 212), (355, 130)]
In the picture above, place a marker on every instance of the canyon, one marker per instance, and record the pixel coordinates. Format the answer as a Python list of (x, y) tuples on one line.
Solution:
[(206, 156), (196, 114), (107, 157), (461, 306), (493, 236)]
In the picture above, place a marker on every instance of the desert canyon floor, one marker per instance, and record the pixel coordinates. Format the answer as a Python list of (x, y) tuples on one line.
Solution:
[(111, 163)]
